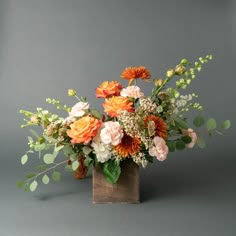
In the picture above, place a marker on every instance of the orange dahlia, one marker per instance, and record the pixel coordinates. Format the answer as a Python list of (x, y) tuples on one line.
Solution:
[(160, 125), (128, 146), (84, 129), (117, 103), (133, 73), (107, 89)]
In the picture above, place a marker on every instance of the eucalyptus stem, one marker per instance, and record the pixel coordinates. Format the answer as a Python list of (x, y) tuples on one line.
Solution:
[(48, 169)]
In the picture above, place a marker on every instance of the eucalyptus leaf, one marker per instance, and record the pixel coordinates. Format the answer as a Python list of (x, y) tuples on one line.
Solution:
[(30, 175), (211, 124), (201, 142), (56, 175), (187, 139), (45, 179), (171, 145), (24, 159), (48, 158), (75, 165), (199, 121), (181, 123), (33, 186), (180, 145), (226, 124), (20, 184)]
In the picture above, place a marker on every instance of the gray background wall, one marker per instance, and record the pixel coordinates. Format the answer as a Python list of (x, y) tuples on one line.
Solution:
[(48, 46)]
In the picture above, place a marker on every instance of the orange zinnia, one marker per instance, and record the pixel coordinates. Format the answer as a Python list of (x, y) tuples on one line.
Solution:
[(129, 146), (82, 130), (133, 73), (160, 125), (107, 89), (113, 105)]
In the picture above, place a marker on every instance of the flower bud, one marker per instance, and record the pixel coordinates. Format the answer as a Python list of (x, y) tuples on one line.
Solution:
[(184, 61), (170, 73), (158, 82), (34, 119), (180, 69), (71, 92)]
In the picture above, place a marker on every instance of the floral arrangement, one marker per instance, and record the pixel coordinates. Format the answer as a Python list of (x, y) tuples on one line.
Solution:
[(133, 126)]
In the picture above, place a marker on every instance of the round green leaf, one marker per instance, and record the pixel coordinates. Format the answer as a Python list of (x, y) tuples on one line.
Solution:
[(20, 184), (211, 124), (33, 186), (48, 158), (56, 176), (24, 159), (180, 145), (45, 179), (187, 139), (75, 165), (226, 124), (198, 121), (171, 145), (201, 142)]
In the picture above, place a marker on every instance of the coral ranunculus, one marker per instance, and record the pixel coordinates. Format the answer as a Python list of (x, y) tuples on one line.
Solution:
[(108, 89), (84, 129), (133, 73), (113, 105), (160, 125)]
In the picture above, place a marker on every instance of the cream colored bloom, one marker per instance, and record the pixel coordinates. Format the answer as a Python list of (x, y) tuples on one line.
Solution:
[(193, 136), (79, 109), (160, 149), (132, 91)]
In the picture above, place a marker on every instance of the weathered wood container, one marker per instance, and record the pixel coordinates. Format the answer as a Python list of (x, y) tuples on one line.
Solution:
[(126, 190)]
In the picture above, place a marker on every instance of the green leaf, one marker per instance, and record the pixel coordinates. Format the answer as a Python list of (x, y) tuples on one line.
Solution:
[(30, 175), (33, 186), (30, 139), (56, 176), (75, 165), (201, 142), (57, 149), (187, 139), (33, 132), (68, 168), (96, 114), (41, 167), (199, 121), (20, 184), (88, 161), (180, 145), (171, 145), (48, 158), (39, 147), (211, 124), (226, 124), (45, 179), (181, 123), (27, 188), (24, 159), (111, 171)]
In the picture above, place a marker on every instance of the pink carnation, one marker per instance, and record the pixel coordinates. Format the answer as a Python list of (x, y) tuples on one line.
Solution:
[(79, 109), (112, 133), (132, 91), (160, 150), (193, 136)]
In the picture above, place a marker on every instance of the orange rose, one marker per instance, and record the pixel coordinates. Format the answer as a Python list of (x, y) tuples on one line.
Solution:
[(107, 89), (133, 73), (117, 103), (84, 129)]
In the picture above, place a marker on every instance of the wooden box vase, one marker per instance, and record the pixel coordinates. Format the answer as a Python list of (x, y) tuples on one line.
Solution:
[(125, 190)]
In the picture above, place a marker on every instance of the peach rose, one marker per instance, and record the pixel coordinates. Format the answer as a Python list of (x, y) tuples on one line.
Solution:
[(84, 129), (160, 150), (112, 133), (132, 91), (117, 103), (107, 89)]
